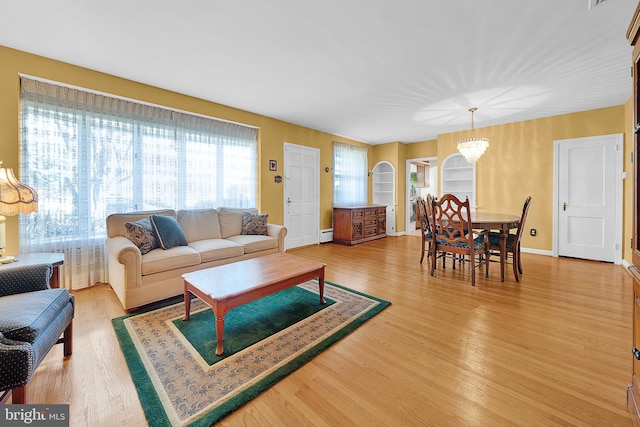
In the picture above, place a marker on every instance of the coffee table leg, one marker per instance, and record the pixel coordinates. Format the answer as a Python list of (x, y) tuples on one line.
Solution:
[(321, 286), (219, 334), (187, 304)]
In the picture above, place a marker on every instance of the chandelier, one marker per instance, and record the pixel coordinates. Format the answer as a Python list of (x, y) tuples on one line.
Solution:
[(473, 148)]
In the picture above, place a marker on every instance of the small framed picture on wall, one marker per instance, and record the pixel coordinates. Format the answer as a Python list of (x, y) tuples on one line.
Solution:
[(273, 165)]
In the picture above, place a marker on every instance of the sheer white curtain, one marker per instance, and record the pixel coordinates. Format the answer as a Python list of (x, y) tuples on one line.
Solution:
[(349, 174), (89, 155)]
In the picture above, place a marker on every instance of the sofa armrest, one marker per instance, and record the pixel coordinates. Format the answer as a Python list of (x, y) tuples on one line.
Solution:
[(279, 232), (16, 363), (122, 251), (29, 278)]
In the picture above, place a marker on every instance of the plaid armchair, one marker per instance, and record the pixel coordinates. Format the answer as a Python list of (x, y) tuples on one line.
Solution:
[(32, 319)]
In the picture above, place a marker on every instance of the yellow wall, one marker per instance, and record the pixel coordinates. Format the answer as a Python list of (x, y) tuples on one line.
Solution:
[(519, 161), (273, 133)]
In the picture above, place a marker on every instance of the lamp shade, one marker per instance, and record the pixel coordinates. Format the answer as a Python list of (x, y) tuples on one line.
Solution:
[(15, 197)]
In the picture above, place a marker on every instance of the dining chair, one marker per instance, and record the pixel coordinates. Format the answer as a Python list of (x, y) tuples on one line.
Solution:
[(513, 242), (422, 219), (452, 234)]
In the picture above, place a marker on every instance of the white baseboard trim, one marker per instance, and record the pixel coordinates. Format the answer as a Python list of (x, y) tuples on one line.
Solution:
[(536, 251)]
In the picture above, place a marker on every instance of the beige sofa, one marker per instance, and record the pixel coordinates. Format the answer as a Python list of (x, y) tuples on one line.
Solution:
[(214, 237)]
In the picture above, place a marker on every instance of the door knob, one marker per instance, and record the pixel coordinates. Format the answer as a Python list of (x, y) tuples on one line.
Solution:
[(636, 353), (564, 206)]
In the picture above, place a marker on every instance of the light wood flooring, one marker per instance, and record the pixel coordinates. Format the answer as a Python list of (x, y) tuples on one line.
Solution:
[(553, 349)]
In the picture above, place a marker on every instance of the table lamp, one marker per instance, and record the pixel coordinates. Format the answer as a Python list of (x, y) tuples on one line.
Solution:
[(15, 198)]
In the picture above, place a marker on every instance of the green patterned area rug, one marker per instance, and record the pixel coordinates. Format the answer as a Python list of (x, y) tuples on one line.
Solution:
[(181, 382)]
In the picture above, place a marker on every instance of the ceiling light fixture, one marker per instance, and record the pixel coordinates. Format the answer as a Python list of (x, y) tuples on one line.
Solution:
[(473, 148)]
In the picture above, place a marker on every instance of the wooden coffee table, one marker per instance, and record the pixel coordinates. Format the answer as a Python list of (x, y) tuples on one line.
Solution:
[(227, 286)]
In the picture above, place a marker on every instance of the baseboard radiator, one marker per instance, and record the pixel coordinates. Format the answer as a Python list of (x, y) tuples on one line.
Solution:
[(326, 235)]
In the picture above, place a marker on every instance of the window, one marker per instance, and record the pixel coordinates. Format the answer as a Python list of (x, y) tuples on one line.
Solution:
[(349, 174), (89, 155)]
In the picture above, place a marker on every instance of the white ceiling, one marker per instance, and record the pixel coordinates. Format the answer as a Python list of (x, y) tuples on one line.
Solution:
[(372, 70)]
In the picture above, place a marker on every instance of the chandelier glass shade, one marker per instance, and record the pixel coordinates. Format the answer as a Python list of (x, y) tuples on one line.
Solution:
[(473, 148)]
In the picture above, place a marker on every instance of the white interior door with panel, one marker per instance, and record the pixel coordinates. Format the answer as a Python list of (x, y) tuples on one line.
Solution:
[(589, 197), (301, 195)]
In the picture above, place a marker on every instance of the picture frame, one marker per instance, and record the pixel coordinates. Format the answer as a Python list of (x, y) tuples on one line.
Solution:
[(273, 165)]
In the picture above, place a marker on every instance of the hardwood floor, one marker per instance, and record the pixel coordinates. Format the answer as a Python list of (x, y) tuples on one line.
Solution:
[(553, 349)]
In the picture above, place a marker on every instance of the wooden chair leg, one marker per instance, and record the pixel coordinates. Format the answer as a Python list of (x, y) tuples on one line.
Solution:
[(422, 255), (519, 262), (433, 263), (19, 395), (486, 265), (473, 273)]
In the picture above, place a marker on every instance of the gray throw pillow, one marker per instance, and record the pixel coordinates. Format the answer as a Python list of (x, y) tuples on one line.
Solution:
[(168, 231)]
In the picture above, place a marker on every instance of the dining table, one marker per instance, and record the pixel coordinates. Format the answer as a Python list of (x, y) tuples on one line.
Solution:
[(495, 221)]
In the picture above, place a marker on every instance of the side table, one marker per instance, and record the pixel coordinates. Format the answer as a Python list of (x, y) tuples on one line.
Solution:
[(53, 258)]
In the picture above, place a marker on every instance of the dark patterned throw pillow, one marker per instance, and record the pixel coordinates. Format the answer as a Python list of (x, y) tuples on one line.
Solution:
[(141, 234), (254, 223)]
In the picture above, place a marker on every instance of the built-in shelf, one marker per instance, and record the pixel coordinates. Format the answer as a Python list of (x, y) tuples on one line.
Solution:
[(383, 192), (459, 178)]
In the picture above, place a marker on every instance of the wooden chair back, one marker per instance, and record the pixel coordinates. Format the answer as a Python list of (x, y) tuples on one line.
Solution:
[(523, 218), (452, 233), (451, 221), (421, 214)]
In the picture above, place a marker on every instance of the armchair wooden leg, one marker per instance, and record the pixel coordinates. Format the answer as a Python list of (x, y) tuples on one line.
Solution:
[(19, 395)]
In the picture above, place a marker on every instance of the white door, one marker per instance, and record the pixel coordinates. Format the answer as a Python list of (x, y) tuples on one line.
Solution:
[(589, 197), (301, 195)]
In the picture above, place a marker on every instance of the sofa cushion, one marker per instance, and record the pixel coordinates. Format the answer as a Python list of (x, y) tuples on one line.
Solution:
[(254, 243), (116, 222), (254, 223), (162, 260), (168, 231), (140, 232), (231, 220), (24, 316), (214, 249), (199, 224)]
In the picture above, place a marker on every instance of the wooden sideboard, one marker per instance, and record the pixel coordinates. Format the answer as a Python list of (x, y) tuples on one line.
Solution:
[(359, 223)]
